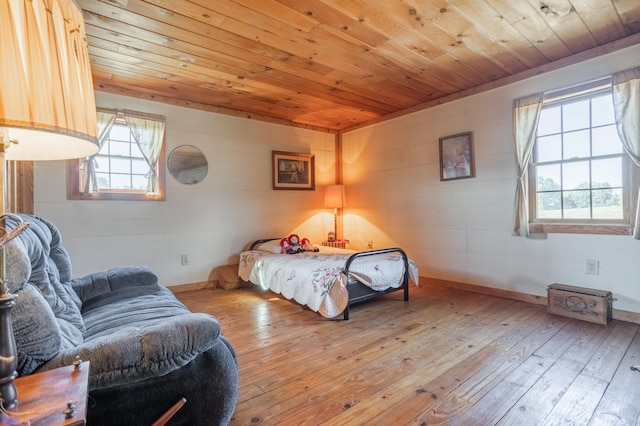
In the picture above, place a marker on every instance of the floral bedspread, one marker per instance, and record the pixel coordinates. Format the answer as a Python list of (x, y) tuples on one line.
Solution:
[(316, 279)]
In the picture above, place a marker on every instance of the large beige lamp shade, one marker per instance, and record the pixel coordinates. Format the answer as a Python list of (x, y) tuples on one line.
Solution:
[(47, 112), (47, 102)]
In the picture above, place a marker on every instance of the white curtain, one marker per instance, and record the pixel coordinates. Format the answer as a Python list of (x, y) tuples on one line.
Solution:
[(148, 132), (626, 104), (106, 118), (526, 114)]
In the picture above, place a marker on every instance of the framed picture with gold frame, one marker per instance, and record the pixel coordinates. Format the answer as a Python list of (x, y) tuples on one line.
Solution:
[(292, 170)]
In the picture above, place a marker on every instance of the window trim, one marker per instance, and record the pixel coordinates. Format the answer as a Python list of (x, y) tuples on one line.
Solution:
[(576, 228), (630, 172), (73, 184)]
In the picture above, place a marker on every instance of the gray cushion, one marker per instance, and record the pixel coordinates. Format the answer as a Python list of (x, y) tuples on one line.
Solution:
[(18, 265), (99, 284), (35, 328), (48, 260), (143, 351)]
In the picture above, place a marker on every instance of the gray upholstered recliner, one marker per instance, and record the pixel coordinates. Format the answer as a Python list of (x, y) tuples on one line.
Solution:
[(146, 350)]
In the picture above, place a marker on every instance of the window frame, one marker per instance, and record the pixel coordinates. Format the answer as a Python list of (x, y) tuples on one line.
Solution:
[(76, 177), (630, 176)]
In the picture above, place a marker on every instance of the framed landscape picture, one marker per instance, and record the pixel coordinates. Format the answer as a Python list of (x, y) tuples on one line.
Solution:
[(293, 170), (456, 157)]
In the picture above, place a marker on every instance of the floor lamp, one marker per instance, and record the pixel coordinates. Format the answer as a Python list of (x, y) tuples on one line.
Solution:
[(47, 112), (334, 199)]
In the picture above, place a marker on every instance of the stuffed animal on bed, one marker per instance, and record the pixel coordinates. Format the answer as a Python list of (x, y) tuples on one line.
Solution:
[(307, 246), (293, 245)]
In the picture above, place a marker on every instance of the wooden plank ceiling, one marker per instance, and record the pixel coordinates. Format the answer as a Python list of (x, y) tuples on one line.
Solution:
[(337, 64)]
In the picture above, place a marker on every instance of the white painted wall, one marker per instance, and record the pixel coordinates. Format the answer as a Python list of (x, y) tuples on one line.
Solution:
[(456, 230), (462, 230), (212, 221)]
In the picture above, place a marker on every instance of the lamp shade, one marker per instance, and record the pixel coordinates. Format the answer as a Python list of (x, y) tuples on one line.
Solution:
[(47, 102), (334, 197)]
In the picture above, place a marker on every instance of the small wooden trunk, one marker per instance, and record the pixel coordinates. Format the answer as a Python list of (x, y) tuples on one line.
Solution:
[(228, 278), (580, 303)]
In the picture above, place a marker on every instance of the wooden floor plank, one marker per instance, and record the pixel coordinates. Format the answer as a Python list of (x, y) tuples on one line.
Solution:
[(606, 360), (620, 403), (577, 406), (564, 356), (447, 356), (494, 390), (372, 359), (429, 362)]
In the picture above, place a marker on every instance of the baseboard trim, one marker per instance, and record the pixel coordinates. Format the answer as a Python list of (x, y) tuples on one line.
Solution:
[(617, 314), (180, 288)]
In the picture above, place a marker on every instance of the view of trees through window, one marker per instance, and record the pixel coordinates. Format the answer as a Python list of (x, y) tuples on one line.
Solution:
[(121, 164), (579, 161)]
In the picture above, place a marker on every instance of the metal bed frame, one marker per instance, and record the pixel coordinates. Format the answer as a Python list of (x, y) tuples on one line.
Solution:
[(359, 292)]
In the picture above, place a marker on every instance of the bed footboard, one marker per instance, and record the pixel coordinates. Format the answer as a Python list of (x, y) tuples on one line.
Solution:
[(359, 292)]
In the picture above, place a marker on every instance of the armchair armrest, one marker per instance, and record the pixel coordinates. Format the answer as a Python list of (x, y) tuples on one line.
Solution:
[(137, 353), (103, 283)]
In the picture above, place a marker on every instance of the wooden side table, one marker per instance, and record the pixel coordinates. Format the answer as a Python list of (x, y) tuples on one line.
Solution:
[(44, 397), (337, 243)]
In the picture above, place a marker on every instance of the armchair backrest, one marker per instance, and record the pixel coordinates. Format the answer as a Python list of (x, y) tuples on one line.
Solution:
[(39, 272)]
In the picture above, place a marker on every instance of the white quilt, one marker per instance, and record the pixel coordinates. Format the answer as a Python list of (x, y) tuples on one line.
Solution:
[(316, 279)]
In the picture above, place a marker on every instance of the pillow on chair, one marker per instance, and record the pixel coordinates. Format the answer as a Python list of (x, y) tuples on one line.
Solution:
[(36, 331)]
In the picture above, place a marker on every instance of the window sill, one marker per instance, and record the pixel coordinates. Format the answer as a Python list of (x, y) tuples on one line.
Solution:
[(73, 186), (569, 228), (119, 196)]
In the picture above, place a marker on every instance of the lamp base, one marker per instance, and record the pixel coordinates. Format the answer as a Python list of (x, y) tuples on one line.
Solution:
[(8, 354)]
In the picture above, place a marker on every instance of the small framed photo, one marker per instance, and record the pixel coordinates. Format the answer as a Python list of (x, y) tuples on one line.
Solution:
[(293, 170), (456, 157)]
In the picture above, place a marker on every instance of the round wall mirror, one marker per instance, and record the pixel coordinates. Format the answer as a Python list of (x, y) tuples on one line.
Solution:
[(187, 164)]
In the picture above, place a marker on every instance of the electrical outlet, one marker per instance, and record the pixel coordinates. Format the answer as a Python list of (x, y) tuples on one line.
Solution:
[(369, 244), (184, 259), (593, 267)]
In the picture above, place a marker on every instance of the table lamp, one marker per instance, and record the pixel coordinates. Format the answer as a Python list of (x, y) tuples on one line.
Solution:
[(334, 199), (47, 112)]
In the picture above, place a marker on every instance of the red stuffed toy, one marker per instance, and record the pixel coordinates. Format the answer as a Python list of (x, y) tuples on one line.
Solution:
[(293, 245), (307, 246)]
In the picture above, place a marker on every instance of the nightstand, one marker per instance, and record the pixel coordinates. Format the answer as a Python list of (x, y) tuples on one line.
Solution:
[(337, 243), (44, 398)]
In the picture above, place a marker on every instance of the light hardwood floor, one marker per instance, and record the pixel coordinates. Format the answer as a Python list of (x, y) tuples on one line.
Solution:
[(445, 357)]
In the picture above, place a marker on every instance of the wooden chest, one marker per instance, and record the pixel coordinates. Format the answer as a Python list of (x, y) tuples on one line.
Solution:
[(580, 303)]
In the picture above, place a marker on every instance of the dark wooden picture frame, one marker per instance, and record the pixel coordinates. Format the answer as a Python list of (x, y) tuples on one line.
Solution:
[(456, 157), (292, 170)]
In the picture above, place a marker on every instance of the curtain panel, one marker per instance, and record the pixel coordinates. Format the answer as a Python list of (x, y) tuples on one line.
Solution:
[(148, 132), (106, 118), (626, 105), (526, 114)]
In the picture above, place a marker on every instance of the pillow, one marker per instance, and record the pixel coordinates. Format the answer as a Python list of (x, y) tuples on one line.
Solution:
[(270, 246), (18, 265), (36, 331)]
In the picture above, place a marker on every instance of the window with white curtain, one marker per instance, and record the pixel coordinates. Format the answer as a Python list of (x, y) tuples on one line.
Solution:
[(120, 163), (579, 172), (130, 164)]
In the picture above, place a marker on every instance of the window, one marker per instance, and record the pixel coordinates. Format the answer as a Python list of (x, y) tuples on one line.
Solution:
[(120, 170), (580, 173), (120, 162)]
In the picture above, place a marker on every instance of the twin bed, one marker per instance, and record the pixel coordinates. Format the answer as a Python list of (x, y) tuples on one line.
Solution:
[(330, 280)]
